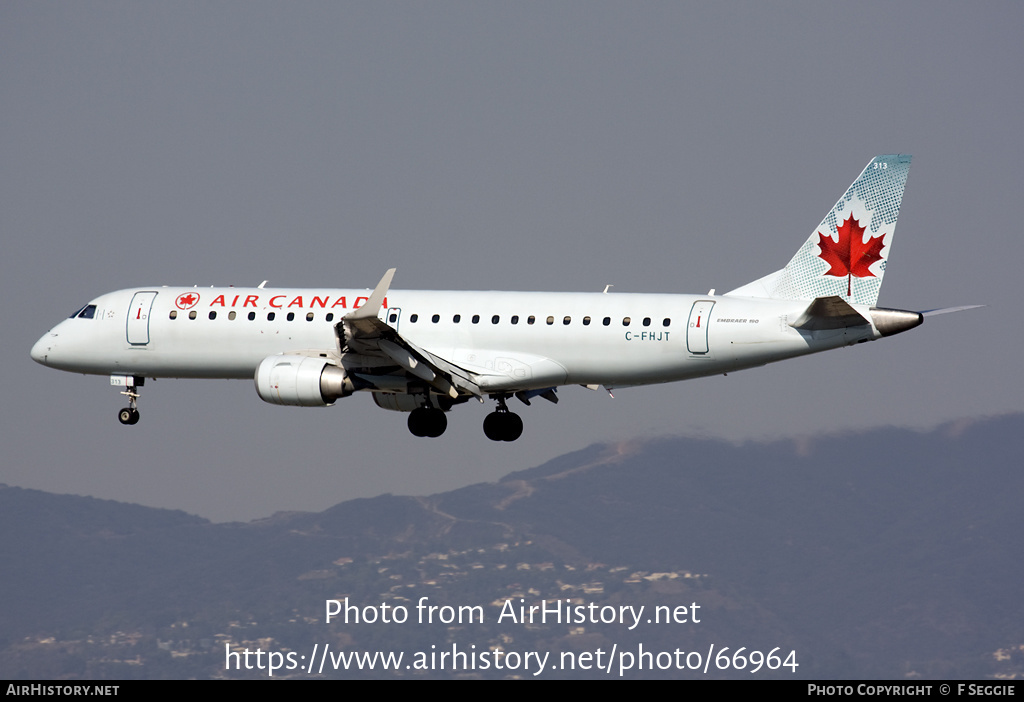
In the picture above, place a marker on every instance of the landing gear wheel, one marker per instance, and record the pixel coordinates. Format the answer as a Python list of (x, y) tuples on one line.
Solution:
[(128, 415), (427, 421), (416, 424), (503, 426), (513, 427), (492, 426), (439, 422)]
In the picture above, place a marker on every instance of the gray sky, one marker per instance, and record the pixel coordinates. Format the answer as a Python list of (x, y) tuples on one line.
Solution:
[(661, 147)]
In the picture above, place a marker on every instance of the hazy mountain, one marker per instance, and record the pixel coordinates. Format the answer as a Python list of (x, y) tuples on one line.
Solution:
[(886, 553)]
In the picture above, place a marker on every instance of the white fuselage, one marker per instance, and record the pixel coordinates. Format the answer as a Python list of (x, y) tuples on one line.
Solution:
[(422, 352), (513, 340)]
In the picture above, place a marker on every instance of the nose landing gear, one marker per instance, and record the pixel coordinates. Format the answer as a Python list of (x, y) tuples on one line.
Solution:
[(130, 414)]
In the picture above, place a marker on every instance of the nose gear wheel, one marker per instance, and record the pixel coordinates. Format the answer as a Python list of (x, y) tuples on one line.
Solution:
[(130, 414)]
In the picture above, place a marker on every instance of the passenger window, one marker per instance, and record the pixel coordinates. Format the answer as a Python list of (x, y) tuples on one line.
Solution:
[(625, 321), (567, 320), (309, 316), (457, 318), (531, 319), (270, 316), (436, 318), (494, 319), (551, 320), (213, 315), (586, 321), (291, 316), (476, 319), (252, 316), (413, 318), (174, 314), (666, 322), (232, 315), (330, 316), (647, 321), (606, 321), (192, 314), (514, 319)]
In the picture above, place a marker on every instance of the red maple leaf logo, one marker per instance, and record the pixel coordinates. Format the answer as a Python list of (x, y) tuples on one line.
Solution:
[(186, 300), (850, 256)]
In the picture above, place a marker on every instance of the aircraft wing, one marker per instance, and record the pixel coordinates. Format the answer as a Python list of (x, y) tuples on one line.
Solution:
[(363, 332)]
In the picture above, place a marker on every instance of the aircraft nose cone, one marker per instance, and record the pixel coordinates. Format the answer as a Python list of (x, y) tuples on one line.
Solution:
[(41, 349)]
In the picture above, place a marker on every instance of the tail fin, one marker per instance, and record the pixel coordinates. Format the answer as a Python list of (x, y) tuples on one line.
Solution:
[(846, 255)]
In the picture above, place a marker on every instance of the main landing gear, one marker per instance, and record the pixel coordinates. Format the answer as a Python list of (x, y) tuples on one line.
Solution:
[(130, 414), (502, 425), (499, 425), (427, 421)]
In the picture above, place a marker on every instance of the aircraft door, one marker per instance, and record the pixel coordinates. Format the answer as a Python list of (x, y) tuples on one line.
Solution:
[(697, 327), (393, 317), (138, 318)]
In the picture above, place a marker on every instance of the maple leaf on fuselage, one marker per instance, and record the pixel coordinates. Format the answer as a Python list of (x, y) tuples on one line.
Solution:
[(850, 256)]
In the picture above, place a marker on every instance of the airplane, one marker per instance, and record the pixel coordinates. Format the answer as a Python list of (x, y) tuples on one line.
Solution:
[(424, 351)]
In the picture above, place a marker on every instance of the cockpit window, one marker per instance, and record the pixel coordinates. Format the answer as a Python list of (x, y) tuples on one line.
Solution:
[(87, 312)]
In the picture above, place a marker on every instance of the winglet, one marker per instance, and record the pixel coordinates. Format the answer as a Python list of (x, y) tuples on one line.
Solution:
[(373, 305)]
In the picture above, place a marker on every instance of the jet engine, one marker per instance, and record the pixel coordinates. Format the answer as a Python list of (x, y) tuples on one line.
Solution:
[(302, 381)]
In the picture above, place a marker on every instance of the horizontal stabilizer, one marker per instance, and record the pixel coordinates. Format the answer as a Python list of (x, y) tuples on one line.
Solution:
[(947, 310), (829, 313)]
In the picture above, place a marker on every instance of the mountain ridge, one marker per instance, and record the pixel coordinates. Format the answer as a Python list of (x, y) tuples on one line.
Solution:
[(877, 553)]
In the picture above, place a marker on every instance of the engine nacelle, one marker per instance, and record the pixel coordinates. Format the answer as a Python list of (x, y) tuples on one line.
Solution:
[(406, 402), (301, 380)]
